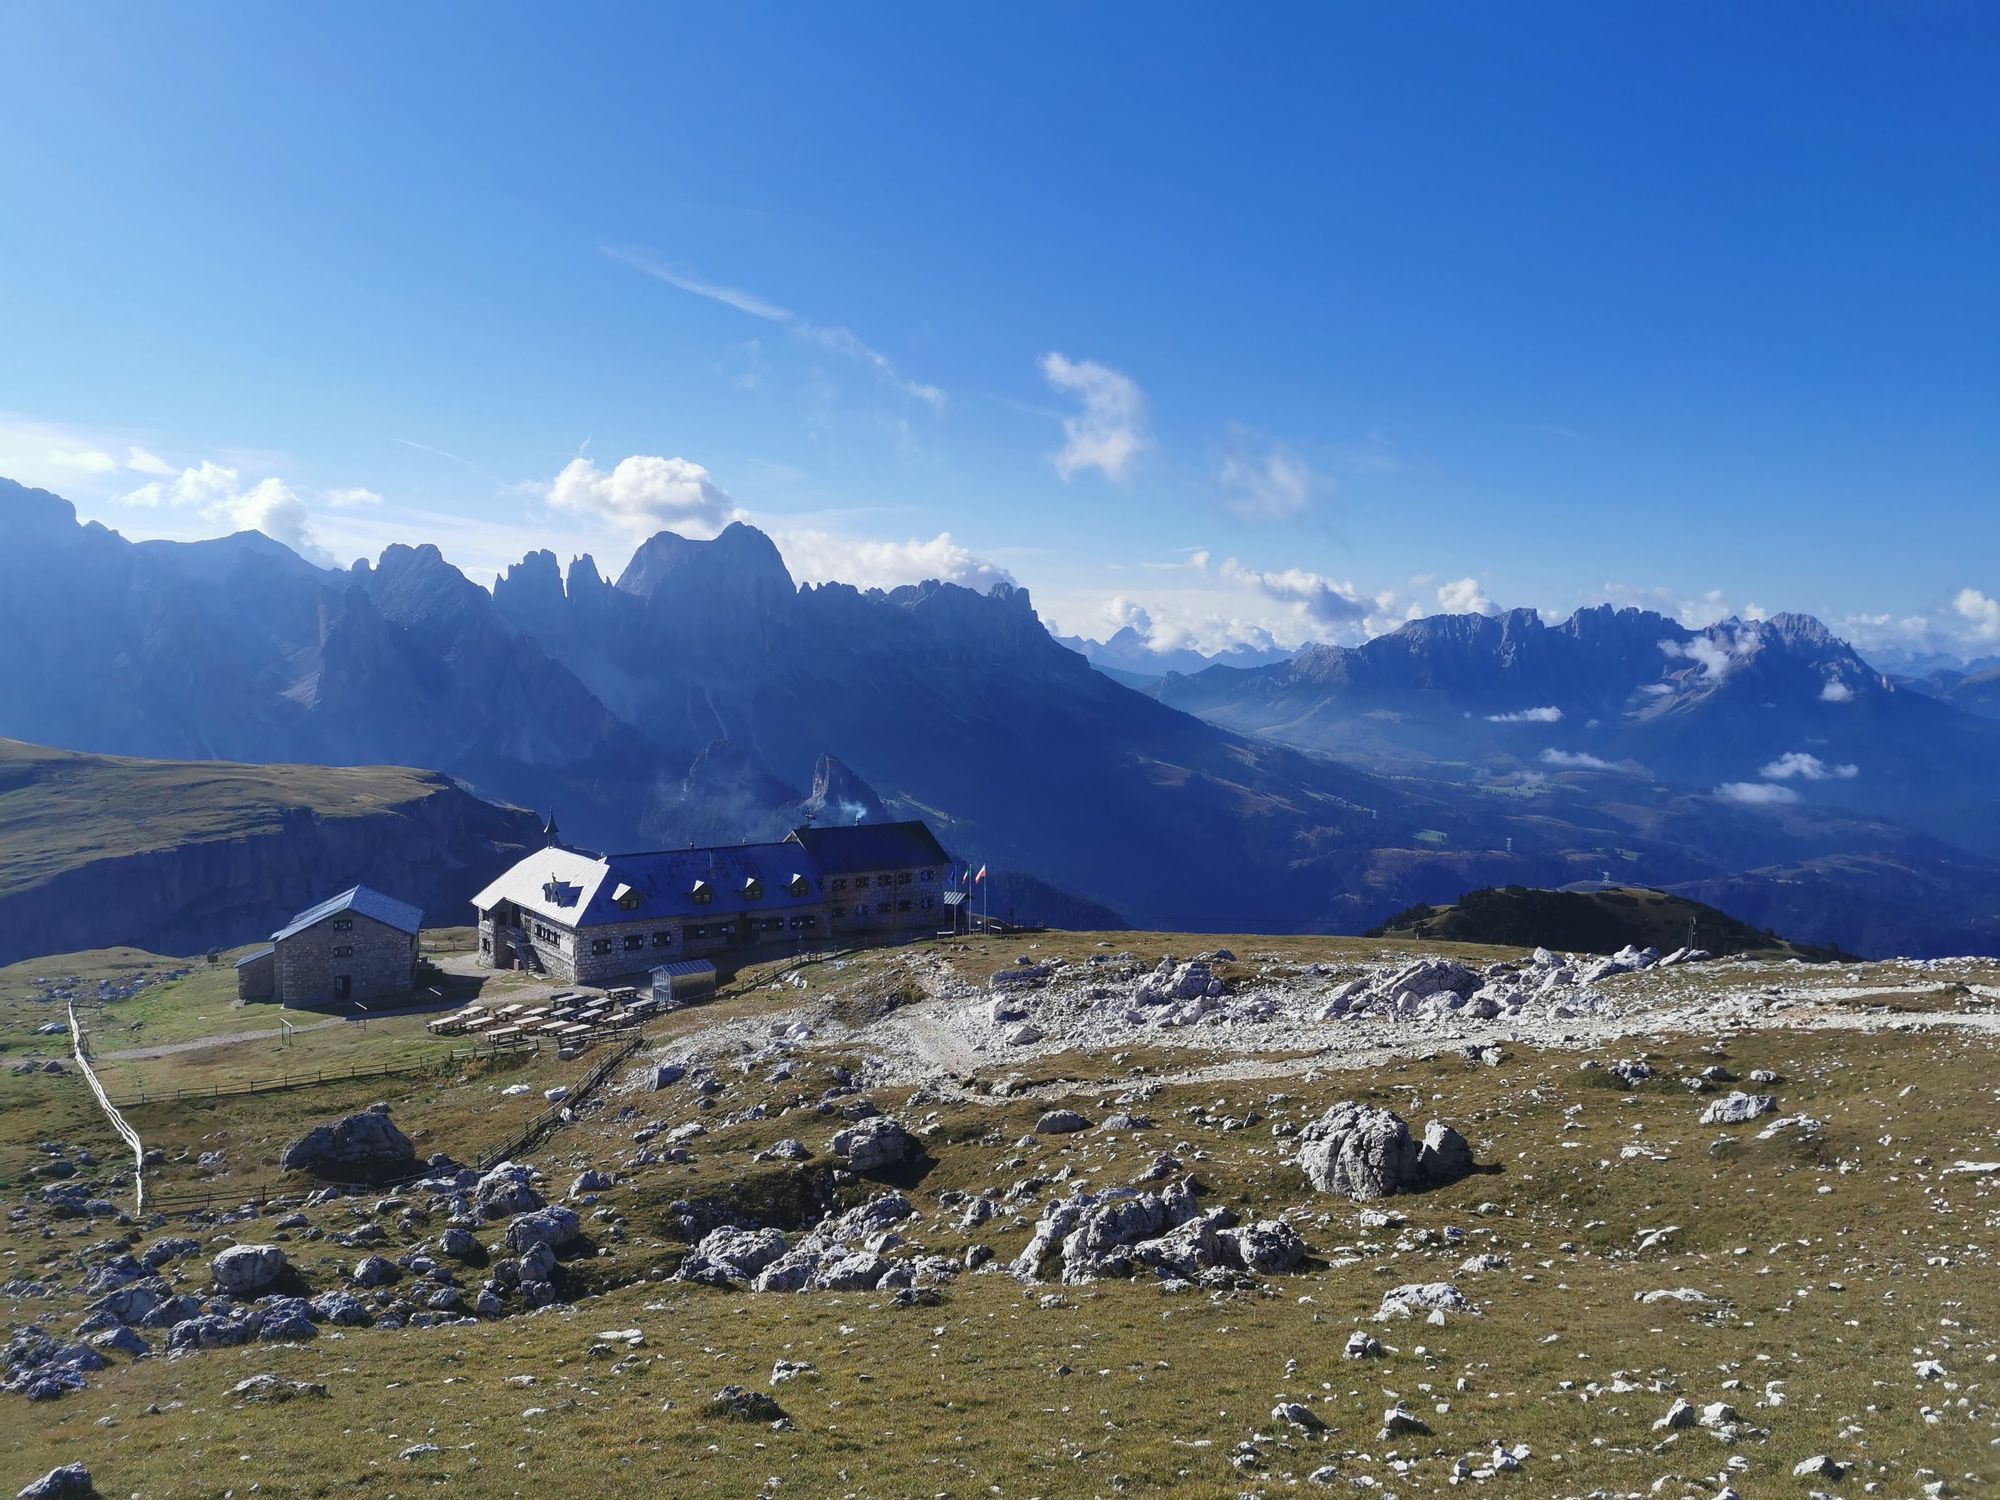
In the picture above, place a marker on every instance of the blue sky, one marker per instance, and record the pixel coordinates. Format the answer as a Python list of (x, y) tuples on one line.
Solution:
[(1277, 327)]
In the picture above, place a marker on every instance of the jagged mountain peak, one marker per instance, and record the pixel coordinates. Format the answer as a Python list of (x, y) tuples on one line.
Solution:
[(740, 557)]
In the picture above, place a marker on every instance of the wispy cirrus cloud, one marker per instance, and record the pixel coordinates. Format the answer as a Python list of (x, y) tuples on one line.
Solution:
[(836, 337)]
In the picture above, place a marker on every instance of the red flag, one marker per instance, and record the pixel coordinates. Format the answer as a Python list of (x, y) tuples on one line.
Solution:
[(981, 875)]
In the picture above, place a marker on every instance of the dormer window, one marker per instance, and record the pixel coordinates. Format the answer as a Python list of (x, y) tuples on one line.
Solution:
[(753, 889), (627, 898), (798, 885), (703, 893)]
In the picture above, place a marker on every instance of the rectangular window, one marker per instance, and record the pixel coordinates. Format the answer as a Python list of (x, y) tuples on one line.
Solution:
[(929, 875), (663, 940), (600, 945), (882, 909), (902, 906), (634, 941), (701, 932), (343, 952), (882, 880), (840, 882), (837, 913), (343, 924), (903, 878)]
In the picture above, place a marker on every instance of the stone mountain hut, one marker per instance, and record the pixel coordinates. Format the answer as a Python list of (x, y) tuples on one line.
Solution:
[(358, 946)]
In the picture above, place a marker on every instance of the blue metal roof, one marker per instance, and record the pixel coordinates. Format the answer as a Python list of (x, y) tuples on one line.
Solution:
[(384, 909), (254, 954), (872, 846)]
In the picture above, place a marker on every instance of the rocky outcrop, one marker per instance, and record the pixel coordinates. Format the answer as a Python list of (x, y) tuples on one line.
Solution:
[(246, 1270), (1363, 1152), (364, 1147)]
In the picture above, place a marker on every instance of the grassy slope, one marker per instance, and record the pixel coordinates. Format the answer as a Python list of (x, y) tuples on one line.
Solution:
[(1841, 1262), (1585, 921), (52, 804)]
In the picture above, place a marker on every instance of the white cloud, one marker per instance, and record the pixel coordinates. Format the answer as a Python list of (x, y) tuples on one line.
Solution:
[(1528, 716), (1807, 768), (1980, 612), (1835, 691), (643, 493), (215, 492), (1756, 794), (1266, 481), (143, 461), (350, 498), (1110, 430), (1717, 654), (1576, 760), (1322, 599), (84, 460), (1121, 613), (842, 341), (1462, 597), (828, 557)]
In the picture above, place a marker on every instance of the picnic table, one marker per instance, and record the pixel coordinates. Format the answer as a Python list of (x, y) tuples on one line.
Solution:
[(504, 1034)]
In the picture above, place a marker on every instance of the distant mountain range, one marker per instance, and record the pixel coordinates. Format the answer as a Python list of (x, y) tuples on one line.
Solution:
[(1130, 655), (1778, 713), (1323, 793)]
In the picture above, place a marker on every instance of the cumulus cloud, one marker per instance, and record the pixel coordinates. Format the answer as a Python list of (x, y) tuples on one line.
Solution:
[(1756, 794), (841, 340), (1109, 431), (1122, 613), (1321, 598), (1807, 767), (350, 498), (1835, 691), (828, 557), (643, 493), (1263, 481), (216, 492), (1716, 653), (1980, 612), (1462, 597), (1549, 715)]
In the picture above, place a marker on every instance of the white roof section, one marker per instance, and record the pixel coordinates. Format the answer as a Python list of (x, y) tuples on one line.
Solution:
[(575, 876)]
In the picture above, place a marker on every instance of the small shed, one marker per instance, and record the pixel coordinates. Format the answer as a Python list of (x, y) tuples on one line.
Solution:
[(256, 974), (683, 982)]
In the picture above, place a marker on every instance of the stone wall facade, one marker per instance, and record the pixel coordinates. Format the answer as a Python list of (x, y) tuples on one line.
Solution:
[(372, 957), (876, 901)]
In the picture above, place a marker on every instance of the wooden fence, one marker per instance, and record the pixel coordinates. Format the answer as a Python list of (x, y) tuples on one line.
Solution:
[(527, 1047), (544, 1124)]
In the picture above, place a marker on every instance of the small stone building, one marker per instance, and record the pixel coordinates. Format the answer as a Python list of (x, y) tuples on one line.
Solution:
[(354, 948)]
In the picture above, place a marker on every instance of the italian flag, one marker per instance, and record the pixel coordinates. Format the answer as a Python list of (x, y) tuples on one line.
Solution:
[(980, 876)]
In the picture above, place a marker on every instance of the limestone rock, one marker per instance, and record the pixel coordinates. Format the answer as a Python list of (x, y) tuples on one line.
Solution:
[(556, 1227), (364, 1147), (1739, 1108), (1360, 1152), (873, 1143), (507, 1190), (1061, 1122), (246, 1270), (70, 1482)]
